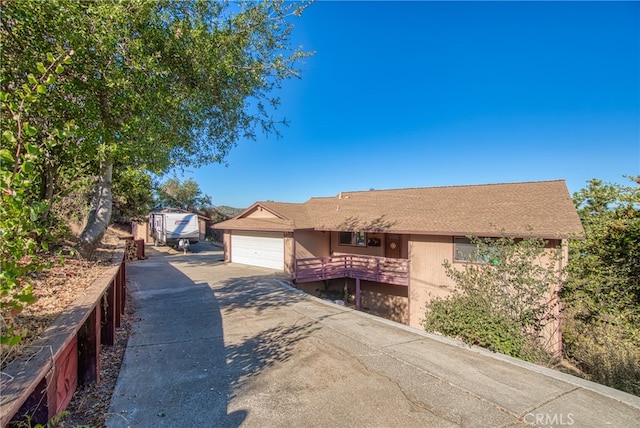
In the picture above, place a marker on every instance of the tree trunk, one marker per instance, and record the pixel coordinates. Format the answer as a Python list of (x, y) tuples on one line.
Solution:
[(49, 177), (100, 214)]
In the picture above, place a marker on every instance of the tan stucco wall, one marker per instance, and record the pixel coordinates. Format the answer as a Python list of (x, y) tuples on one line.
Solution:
[(226, 242), (259, 212), (310, 243), (427, 276), (553, 330), (388, 301), (289, 253)]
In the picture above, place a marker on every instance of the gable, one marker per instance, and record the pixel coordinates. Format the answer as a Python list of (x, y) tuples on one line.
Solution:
[(258, 211)]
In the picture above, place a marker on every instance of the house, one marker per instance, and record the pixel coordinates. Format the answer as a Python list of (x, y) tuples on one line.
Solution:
[(387, 247)]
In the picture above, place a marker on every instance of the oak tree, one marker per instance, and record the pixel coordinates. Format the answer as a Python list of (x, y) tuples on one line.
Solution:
[(153, 85)]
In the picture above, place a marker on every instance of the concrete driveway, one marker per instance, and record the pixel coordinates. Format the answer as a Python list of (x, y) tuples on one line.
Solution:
[(224, 345)]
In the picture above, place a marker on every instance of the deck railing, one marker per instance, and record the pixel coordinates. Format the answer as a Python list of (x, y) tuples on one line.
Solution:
[(41, 383), (369, 268)]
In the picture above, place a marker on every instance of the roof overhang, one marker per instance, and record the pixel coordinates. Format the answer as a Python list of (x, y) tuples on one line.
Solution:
[(485, 234)]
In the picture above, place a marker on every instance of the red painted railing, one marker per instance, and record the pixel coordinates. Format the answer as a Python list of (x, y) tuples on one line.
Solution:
[(369, 268), (41, 383)]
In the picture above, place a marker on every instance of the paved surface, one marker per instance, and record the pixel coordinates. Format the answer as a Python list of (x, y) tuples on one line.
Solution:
[(224, 345)]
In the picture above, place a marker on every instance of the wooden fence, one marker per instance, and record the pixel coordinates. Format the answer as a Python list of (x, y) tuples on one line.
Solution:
[(42, 382)]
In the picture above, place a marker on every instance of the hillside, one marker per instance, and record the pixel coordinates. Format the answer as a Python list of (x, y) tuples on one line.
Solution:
[(229, 211)]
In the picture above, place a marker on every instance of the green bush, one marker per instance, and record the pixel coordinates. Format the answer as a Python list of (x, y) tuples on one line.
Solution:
[(601, 296), (471, 319), (502, 299)]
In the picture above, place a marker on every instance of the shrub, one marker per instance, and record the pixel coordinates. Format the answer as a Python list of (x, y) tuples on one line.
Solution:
[(602, 293), (605, 352), (504, 304), (471, 320)]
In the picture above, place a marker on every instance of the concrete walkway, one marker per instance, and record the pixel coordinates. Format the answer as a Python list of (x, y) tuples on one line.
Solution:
[(224, 345)]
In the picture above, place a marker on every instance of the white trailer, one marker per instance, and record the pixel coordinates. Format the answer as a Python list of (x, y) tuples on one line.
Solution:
[(170, 227)]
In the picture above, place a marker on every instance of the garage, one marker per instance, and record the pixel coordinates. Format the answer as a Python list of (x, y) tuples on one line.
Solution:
[(264, 249)]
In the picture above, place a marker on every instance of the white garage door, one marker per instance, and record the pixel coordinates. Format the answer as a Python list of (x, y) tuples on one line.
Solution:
[(265, 249)]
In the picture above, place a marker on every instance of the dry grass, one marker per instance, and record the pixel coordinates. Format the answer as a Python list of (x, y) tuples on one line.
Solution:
[(55, 289)]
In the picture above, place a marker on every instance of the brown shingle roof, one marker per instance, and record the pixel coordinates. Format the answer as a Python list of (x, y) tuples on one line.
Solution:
[(542, 209)]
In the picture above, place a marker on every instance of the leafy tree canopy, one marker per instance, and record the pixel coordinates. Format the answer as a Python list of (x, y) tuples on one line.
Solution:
[(105, 92), (152, 85), (185, 195), (604, 269), (602, 292)]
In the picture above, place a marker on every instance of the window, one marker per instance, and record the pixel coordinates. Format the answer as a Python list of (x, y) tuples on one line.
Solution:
[(353, 238), (464, 250)]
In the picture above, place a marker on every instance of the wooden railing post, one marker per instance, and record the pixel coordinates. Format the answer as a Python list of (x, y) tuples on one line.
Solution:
[(89, 349), (108, 305), (67, 353)]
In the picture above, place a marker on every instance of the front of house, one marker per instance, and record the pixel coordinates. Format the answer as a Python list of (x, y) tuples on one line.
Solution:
[(386, 248)]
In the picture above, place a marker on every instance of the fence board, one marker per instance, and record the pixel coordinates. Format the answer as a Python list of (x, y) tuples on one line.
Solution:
[(41, 382)]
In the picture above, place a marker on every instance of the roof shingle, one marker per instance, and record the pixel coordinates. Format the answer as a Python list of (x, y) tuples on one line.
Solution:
[(542, 209)]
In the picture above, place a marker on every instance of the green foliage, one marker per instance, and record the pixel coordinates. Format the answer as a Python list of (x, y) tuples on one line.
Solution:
[(23, 234), (185, 195), (602, 291), (132, 195), (604, 273), (471, 319), (503, 305), (56, 421), (154, 85)]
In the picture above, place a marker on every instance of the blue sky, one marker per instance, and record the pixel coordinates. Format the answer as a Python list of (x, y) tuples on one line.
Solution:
[(414, 94)]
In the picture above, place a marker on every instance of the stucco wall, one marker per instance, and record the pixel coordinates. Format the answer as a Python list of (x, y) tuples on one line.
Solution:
[(388, 301), (226, 242), (140, 230), (259, 212), (289, 250), (427, 276), (310, 243)]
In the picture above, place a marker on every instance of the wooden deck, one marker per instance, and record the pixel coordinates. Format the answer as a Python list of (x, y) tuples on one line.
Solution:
[(369, 268)]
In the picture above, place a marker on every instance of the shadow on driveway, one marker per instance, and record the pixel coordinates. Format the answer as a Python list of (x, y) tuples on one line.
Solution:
[(176, 369)]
